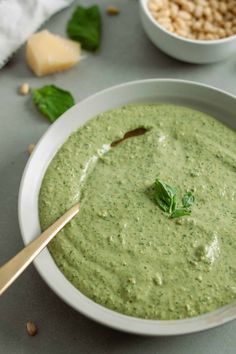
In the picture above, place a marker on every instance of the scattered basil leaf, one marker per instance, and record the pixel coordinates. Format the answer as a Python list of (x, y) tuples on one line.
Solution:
[(85, 27), (52, 101), (165, 197), (177, 213), (188, 200)]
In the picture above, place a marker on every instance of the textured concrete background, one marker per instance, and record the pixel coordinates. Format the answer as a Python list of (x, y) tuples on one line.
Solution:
[(126, 54)]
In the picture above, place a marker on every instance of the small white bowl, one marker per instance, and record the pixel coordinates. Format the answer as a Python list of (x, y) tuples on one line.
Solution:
[(189, 50), (202, 97)]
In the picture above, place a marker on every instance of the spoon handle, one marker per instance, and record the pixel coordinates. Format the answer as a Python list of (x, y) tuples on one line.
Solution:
[(10, 271)]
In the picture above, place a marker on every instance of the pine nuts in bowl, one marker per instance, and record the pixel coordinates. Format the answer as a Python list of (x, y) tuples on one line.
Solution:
[(200, 31)]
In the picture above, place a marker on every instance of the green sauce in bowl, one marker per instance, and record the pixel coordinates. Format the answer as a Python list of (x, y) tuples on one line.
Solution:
[(122, 251)]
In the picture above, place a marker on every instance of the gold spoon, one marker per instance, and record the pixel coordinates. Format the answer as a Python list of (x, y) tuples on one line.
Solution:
[(10, 271)]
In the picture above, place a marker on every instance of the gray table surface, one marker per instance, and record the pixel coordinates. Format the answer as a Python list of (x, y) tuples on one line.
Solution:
[(126, 54)]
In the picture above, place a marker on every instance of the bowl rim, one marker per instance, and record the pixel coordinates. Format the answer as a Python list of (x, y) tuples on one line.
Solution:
[(144, 6), (96, 311)]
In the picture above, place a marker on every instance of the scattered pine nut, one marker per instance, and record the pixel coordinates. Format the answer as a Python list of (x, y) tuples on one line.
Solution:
[(113, 10), (31, 328), (24, 89), (30, 148), (200, 19)]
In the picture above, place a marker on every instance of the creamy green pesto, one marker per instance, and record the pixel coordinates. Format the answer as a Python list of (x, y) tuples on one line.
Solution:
[(121, 250)]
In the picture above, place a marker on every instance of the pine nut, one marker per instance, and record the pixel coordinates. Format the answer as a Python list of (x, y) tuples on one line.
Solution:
[(113, 10), (218, 17), (184, 15), (24, 89), (188, 6), (222, 7), (153, 7), (198, 11), (207, 11), (160, 4), (174, 9), (30, 148), (31, 328), (197, 26)]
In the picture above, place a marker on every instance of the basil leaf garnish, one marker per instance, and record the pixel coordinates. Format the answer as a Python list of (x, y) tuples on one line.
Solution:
[(165, 197)]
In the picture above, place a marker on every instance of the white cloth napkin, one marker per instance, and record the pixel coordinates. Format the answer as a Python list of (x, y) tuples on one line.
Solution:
[(20, 18)]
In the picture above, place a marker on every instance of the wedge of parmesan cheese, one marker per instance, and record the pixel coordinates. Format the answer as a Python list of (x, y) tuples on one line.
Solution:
[(47, 53)]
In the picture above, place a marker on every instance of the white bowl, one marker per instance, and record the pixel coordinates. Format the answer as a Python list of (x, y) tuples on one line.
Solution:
[(192, 51), (202, 97)]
